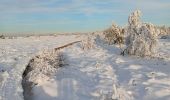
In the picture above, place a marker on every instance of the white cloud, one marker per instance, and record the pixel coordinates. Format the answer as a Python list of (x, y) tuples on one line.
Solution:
[(87, 7), (76, 6)]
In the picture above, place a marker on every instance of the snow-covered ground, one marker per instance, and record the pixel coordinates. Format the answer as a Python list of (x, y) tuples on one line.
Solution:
[(99, 73), (14, 57)]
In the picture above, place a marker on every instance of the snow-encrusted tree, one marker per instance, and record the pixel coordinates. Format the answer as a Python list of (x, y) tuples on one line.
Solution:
[(141, 37)]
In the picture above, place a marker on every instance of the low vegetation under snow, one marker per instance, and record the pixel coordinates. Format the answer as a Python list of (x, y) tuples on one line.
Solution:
[(88, 66)]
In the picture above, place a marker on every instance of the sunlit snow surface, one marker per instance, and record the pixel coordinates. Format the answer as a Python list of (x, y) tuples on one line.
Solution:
[(14, 57), (89, 75)]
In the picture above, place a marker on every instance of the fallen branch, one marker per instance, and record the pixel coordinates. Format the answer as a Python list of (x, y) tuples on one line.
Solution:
[(61, 47)]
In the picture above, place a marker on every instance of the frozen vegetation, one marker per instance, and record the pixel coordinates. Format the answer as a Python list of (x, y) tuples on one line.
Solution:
[(141, 37), (88, 66), (114, 35)]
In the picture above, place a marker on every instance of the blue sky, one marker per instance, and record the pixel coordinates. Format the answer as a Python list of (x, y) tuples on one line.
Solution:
[(45, 16)]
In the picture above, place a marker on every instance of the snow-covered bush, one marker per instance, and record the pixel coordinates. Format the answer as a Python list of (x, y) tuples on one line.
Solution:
[(141, 37), (88, 42), (46, 62), (114, 35), (41, 67), (163, 30), (2, 37)]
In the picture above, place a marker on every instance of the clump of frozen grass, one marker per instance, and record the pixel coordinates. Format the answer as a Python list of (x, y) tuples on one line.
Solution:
[(120, 94), (3, 77), (117, 93), (142, 37), (114, 35), (88, 42)]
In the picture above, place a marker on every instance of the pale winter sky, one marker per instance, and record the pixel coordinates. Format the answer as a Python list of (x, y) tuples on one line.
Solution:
[(76, 15)]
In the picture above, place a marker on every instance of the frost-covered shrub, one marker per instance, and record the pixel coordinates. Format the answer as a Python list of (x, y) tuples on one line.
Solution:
[(114, 35), (2, 37), (45, 64), (163, 30), (142, 37), (41, 67), (88, 42)]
